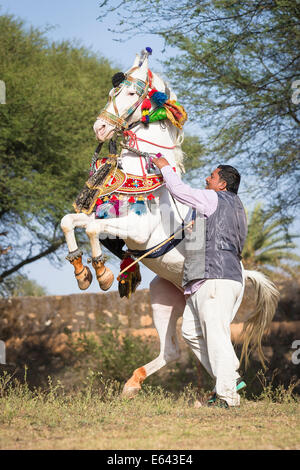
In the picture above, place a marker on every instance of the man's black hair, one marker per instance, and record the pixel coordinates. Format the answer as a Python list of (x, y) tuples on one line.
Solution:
[(231, 177)]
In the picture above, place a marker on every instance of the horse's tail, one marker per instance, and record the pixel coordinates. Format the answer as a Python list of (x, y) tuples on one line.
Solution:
[(266, 300)]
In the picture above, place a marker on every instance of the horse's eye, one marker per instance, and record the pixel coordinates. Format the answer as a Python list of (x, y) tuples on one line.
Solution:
[(131, 93)]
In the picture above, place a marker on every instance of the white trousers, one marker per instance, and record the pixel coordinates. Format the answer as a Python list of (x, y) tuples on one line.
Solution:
[(206, 329)]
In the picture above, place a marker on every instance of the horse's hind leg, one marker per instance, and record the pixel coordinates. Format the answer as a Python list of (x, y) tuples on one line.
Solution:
[(168, 304), (68, 223)]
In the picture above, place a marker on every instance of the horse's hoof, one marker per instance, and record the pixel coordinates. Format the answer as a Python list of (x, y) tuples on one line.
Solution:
[(130, 392), (106, 279), (105, 275), (84, 278)]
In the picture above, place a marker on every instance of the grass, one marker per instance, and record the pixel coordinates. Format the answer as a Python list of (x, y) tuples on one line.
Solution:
[(95, 417)]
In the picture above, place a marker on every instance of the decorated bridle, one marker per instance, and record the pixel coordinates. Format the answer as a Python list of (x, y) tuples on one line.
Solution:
[(146, 93), (121, 80)]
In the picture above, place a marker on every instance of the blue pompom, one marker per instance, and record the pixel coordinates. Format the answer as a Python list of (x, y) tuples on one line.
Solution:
[(159, 98), (149, 50)]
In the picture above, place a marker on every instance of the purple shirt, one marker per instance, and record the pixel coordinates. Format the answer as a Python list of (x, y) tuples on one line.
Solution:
[(204, 201)]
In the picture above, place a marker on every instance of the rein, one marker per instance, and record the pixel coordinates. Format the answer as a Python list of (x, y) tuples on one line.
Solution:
[(133, 138), (149, 252), (133, 143)]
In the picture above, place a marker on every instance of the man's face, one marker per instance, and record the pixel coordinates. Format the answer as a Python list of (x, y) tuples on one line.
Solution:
[(215, 182)]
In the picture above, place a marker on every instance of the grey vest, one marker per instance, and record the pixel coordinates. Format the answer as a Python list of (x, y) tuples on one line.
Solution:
[(213, 247)]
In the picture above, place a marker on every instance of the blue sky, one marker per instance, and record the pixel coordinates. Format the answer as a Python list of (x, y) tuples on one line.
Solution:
[(77, 20)]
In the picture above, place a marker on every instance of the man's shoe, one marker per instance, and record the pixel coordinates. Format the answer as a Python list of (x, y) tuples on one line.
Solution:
[(218, 403), (240, 385)]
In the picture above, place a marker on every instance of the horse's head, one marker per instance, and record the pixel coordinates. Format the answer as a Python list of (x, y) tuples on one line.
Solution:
[(125, 99)]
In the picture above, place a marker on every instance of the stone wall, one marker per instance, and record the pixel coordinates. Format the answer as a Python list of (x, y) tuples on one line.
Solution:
[(21, 316)]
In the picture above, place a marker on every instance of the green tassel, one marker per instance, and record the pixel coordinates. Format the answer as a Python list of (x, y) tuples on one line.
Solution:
[(158, 115)]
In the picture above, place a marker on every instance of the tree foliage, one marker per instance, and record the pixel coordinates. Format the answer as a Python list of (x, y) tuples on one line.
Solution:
[(19, 286), (268, 246), (235, 66), (53, 95)]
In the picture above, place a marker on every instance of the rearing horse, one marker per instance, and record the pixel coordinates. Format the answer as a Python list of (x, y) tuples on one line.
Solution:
[(127, 208)]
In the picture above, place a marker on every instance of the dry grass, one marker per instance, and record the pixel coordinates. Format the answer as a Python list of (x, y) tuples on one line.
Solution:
[(96, 418)]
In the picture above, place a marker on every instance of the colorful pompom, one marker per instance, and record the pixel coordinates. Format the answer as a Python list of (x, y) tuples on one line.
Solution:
[(126, 262), (158, 97), (131, 199), (154, 90), (146, 104), (158, 115), (117, 79), (145, 119), (149, 50)]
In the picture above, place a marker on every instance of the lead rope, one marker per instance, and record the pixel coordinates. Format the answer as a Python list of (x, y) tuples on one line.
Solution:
[(132, 143), (154, 249)]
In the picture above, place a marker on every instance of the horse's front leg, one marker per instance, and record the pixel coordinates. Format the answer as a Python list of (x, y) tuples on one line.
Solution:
[(68, 223), (134, 226)]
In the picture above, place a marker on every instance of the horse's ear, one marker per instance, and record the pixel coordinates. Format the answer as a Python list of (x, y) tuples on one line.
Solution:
[(136, 61)]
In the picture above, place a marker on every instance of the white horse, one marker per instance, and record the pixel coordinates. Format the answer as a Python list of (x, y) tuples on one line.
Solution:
[(162, 216)]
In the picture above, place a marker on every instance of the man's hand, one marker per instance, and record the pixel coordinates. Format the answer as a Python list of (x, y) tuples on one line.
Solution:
[(159, 162)]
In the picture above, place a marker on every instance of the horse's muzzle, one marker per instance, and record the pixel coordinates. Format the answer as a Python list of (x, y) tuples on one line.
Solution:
[(103, 130)]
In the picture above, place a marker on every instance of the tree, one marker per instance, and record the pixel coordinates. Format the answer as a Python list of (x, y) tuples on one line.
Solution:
[(235, 66), (268, 246), (194, 152), (20, 286), (53, 94)]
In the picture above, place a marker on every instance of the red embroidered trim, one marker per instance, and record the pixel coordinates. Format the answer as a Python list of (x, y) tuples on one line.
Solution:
[(139, 184)]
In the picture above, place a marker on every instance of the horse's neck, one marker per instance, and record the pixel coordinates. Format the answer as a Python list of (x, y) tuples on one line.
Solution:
[(154, 133)]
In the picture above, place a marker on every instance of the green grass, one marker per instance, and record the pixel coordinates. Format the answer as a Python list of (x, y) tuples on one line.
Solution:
[(95, 417)]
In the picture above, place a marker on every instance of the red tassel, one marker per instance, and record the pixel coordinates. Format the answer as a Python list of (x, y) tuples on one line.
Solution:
[(126, 262), (146, 104), (131, 199), (150, 197), (154, 90), (150, 78)]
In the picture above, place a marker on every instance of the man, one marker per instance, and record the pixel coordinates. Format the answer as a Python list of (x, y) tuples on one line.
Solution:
[(212, 277)]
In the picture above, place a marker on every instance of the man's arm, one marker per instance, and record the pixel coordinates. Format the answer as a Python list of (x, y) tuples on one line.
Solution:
[(204, 201)]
